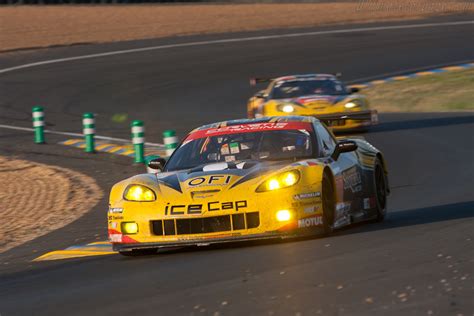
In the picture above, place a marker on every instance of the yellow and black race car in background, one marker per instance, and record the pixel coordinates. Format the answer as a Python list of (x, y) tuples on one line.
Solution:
[(319, 95), (238, 180)]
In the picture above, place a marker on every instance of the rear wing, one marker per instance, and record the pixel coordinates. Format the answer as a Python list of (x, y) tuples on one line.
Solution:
[(255, 81)]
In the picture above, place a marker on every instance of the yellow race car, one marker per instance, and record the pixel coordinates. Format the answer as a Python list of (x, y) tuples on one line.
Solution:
[(274, 177), (319, 95)]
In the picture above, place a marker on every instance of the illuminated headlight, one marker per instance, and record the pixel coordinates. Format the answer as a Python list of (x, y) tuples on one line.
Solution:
[(283, 215), (139, 193), (283, 180), (288, 108), (129, 228), (350, 105)]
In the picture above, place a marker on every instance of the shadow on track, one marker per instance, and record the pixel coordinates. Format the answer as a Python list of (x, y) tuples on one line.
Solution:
[(422, 123), (395, 220), (418, 216)]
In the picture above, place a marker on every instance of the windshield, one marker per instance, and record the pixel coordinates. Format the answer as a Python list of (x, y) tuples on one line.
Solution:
[(297, 88), (263, 145)]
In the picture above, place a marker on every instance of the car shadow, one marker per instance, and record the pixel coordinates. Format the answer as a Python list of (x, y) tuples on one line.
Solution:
[(395, 219), (399, 125), (419, 216), (422, 123)]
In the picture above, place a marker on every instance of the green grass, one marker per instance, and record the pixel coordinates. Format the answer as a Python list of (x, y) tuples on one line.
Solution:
[(451, 91)]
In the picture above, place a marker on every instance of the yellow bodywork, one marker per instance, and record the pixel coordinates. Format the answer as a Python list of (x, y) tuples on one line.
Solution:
[(212, 195), (335, 115)]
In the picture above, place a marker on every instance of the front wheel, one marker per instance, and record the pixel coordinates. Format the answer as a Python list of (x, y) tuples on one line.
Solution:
[(328, 204), (380, 184)]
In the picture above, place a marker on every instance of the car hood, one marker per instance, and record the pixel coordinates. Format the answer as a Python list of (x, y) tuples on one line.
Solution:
[(316, 101), (206, 180)]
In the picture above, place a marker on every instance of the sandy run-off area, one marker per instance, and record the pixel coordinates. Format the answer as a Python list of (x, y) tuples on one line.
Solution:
[(24, 27), (36, 199)]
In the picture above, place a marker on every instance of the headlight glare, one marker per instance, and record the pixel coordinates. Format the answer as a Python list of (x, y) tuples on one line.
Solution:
[(139, 193), (288, 108), (350, 105), (283, 215), (283, 180)]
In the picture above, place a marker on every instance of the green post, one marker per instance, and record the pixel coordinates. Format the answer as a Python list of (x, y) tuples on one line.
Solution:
[(170, 140), (138, 140), (88, 129), (38, 124)]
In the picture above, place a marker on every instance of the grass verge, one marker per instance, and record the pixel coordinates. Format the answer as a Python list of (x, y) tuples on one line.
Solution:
[(451, 91)]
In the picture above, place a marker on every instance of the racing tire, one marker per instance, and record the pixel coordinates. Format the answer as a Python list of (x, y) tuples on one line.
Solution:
[(380, 185), (138, 252), (329, 204)]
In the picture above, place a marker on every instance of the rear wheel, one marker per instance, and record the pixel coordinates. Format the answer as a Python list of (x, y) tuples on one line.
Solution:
[(328, 204), (380, 185)]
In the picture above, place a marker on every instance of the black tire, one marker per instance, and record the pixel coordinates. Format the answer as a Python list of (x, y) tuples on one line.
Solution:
[(138, 252), (329, 205), (380, 186)]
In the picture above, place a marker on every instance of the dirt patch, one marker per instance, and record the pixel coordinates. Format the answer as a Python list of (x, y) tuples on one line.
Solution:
[(37, 198), (42, 26)]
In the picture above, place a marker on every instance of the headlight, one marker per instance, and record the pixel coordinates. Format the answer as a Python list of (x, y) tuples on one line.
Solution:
[(350, 105), (139, 193), (283, 180), (287, 108)]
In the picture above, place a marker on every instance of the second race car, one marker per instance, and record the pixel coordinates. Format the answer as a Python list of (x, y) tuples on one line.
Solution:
[(273, 177), (323, 96)]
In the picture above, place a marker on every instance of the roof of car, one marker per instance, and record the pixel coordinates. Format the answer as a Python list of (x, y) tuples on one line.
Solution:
[(305, 76), (267, 119)]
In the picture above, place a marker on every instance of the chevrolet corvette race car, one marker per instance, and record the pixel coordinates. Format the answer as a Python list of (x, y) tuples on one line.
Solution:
[(320, 95), (273, 177)]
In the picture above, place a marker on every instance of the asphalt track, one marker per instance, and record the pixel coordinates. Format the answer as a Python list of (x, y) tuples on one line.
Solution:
[(418, 262)]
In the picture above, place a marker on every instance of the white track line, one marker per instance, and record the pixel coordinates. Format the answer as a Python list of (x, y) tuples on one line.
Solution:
[(233, 40), (121, 140)]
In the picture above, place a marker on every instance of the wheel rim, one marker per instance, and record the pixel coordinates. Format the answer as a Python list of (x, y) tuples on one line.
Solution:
[(380, 184)]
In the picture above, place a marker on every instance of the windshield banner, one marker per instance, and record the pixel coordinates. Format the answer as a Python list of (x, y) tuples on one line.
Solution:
[(249, 128)]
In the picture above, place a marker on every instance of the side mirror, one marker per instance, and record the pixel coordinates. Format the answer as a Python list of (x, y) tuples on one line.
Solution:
[(260, 95), (344, 146), (354, 90), (155, 164)]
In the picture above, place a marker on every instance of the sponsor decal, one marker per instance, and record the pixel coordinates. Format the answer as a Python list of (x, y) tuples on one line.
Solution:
[(306, 203), (115, 210), (214, 180), (229, 158), (115, 217), (198, 209), (352, 180), (342, 209), (249, 128), (234, 148), (369, 203), (342, 217), (115, 237), (311, 209), (310, 221), (113, 225), (309, 195), (225, 149)]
